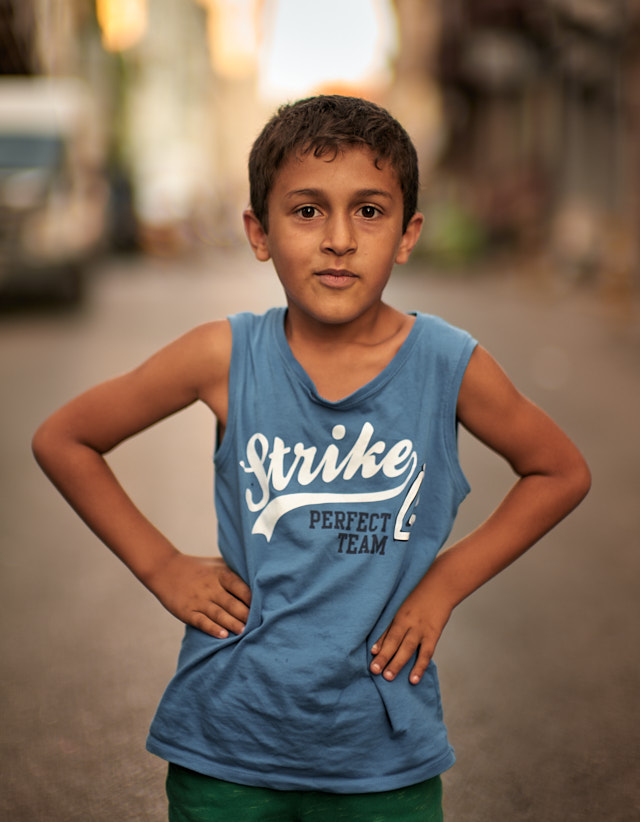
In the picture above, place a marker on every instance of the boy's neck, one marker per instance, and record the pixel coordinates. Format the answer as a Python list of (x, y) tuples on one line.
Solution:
[(374, 327), (341, 358)]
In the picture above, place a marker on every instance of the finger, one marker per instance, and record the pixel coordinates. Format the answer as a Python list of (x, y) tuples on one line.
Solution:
[(235, 607), (405, 652), (377, 645), (221, 615), (421, 665), (237, 586), (208, 626), (387, 648)]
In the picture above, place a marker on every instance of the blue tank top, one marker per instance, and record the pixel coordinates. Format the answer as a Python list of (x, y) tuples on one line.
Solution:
[(331, 512)]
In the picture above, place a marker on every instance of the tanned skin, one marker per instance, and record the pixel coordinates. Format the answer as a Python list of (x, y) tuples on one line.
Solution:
[(335, 232)]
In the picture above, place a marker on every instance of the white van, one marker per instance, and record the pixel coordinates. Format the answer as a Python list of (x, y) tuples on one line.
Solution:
[(53, 195)]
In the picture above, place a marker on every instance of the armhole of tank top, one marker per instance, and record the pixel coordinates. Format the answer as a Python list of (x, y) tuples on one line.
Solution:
[(450, 418), (223, 448)]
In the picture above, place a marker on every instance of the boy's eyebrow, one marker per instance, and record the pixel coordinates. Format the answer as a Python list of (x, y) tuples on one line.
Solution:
[(361, 194)]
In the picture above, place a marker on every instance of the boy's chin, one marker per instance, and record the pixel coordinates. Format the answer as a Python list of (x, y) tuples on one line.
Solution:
[(333, 316)]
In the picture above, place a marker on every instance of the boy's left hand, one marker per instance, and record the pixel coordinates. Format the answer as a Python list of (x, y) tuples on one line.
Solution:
[(552, 479), (416, 627)]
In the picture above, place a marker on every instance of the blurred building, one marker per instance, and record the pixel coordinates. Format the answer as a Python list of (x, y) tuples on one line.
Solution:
[(40, 36), (53, 195), (525, 115), (541, 104), (17, 24)]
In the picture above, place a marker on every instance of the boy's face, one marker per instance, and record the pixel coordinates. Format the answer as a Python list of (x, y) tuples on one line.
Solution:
[(335, 232)]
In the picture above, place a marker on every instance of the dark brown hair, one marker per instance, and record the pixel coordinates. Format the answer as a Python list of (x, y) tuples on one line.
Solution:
[(324, 125)]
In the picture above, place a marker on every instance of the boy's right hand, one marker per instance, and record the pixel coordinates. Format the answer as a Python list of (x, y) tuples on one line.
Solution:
[(203, 592)]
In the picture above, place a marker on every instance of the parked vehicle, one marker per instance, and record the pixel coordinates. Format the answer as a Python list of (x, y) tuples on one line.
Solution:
[(53, 197)]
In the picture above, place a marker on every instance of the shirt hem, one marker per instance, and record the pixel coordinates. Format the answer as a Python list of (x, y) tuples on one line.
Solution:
[(293, 782)]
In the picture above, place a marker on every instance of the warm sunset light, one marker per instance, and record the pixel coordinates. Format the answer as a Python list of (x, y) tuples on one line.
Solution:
[(123, 22), (232, 36), (307, 47)]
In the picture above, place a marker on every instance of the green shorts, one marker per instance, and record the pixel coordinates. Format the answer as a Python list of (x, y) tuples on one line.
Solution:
[(197, 798)]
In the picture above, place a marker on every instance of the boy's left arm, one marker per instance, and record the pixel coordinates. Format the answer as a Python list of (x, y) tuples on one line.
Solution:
[(553, 479)]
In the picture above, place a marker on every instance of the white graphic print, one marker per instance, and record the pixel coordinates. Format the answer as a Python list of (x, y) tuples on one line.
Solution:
[(266, 461), (399, 532)]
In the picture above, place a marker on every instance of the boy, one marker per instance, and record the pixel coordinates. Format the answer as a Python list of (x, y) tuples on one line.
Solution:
[(305, 685)]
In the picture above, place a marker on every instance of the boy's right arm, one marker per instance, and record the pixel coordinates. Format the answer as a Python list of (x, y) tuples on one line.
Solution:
[(70, 447)]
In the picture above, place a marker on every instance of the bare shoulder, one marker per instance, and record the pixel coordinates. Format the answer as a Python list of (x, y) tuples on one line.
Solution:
[(491, 407), (203, 354), (485, 385), (498, 414), (193, 367)]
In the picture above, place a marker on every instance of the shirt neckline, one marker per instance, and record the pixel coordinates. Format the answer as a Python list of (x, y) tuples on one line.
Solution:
[(366, 390)]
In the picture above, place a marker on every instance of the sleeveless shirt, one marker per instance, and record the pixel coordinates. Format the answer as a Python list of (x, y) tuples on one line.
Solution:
[(331, 512)]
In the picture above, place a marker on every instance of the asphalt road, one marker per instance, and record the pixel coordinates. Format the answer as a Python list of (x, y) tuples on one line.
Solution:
[(540, 669)]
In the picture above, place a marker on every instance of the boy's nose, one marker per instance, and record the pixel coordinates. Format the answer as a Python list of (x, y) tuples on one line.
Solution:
[(339, 237)]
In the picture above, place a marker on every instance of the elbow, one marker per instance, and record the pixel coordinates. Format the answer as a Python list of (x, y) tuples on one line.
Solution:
[(47, 445), (38, 443), (586, 480), (579, 480), (57, 447), (41, 444)]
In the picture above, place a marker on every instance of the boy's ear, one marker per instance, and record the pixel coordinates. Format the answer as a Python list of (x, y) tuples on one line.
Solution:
[(410, 238), (256, 235)]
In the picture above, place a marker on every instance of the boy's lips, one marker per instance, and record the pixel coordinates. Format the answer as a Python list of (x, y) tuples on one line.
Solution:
[(336, 277)]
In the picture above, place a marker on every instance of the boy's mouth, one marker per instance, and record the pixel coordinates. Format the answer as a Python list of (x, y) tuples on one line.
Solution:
[(336, 277)]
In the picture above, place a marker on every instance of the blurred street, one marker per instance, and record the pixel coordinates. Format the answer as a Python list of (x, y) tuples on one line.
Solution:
[(540, 670)]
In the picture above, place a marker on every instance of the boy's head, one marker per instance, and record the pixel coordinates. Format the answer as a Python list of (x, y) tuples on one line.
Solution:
[(325, 125)]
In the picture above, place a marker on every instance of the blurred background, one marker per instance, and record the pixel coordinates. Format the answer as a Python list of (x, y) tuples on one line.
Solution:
[(125, 127), (125, 124)]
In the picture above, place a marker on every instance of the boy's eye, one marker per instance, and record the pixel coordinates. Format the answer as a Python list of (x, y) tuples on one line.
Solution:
[(307, 212), (369, 211)]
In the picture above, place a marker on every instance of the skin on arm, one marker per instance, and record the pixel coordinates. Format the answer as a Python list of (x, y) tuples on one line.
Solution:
[(553, 479), (70, 447)]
